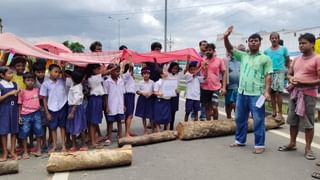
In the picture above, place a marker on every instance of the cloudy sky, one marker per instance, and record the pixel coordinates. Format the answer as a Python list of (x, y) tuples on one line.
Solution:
[(188, 20)]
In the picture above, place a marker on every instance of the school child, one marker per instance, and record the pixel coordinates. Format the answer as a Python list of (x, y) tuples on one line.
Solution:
[(192, 90), (173, 74), (19, 65), (29, 114), (77, 121), (145, 101), (129, 96), (162, 105), (39, 70), (95, 101), (53, 92), (9, 112), (115, 89)]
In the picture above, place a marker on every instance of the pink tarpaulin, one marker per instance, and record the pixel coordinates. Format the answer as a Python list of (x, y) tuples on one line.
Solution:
[(53, 47), (95, 57), (163, 57), (9, 41)]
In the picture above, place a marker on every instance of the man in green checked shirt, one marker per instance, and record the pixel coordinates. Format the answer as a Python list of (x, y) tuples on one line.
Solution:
[(255, 81)]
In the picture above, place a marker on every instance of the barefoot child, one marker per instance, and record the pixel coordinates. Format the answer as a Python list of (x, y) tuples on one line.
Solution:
[(129, 96), (53, 92), (115, 89), (9, 112), (77, 122), (30, 116), (95, 102), (145, 101)]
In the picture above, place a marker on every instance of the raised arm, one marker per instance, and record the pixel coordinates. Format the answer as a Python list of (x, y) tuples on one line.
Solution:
[(227, 43)]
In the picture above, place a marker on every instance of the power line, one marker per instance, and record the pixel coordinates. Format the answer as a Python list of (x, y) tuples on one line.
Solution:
[(134, 12)]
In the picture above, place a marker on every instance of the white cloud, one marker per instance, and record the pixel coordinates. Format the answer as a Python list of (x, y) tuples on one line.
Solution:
[(149, 20)]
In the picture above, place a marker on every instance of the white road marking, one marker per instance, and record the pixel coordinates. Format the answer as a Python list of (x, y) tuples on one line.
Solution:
[(61, 176), (279, 133)]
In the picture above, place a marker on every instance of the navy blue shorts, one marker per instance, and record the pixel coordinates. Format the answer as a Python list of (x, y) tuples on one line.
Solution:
[(117, 117), (192, 106), (31, 121), (129, 103), (59, 118)]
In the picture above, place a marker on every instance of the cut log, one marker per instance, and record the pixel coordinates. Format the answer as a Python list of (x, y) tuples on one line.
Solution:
[(149, 138), (96, 159), (9, 167), (202, 129)]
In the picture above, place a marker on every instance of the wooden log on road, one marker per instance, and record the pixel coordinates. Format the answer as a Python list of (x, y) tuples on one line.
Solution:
[(9, 167), (202, 129), (96, 159), (149, 138)]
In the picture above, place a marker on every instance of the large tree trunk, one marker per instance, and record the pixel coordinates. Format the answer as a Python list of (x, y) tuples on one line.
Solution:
[(95, 159), (149, 139), (202, 129), (9, 167)]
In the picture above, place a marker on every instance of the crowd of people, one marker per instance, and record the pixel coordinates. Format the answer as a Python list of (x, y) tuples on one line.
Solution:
[(34, 98)]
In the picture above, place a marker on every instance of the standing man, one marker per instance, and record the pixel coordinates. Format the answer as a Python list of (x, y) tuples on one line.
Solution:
[(255, 81), (304, 78), (212, 68), (280, 59)]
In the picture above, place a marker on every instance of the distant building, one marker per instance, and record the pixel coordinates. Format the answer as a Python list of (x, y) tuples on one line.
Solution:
[(290, 38)]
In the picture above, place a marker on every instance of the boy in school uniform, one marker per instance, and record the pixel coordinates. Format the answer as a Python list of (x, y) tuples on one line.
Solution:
[(53, 92)]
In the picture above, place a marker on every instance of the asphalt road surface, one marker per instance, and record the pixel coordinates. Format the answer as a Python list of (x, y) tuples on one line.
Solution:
[(202, 159)]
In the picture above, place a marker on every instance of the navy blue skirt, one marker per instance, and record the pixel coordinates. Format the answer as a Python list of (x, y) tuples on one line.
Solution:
[(175, 103), (129, 103), (162, 111), (79, 123), (145, 107), (94, 109)]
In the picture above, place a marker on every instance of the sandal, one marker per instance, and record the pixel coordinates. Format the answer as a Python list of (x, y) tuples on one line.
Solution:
[(278, 118), (107, 143), (3, 159), (73, 149), (309, 155), (36, 154), (258, 150), (236, 145), (316, 174), (15, 157), (287, 148), (318, 164), (25, 156), (83, 149)]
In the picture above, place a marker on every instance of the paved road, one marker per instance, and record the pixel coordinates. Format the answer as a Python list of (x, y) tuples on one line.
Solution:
[(203, 159)]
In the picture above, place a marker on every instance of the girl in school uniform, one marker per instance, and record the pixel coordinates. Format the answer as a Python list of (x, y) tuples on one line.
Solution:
[(95, 101), (129, 96), (9, 112), (115, 89), (162, 105), (173, 74), (145, 101), (77, 121)]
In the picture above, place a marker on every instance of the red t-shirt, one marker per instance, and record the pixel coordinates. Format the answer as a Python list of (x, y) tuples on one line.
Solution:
[(29, 99), (215, 68), (306, 69)]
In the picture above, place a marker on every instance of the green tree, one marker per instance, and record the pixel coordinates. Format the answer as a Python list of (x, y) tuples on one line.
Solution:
[(75, 47)]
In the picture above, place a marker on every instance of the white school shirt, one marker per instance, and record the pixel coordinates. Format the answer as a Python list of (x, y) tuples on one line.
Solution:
[(56, 93), (157, 87), (129, 83), (6, 84), (115, 91), (193, 86), (146, 87), (75, 95), (95, 84), (175, 77)]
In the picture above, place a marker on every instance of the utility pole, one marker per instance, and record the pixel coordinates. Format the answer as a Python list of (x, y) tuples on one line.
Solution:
[(165, 25), (170, 42), (1, 26), (119, 27)]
